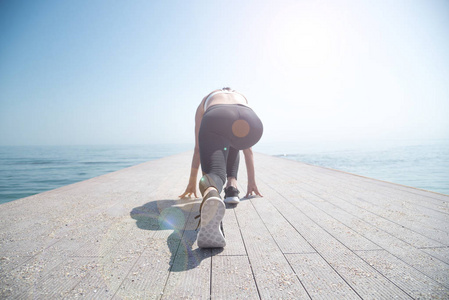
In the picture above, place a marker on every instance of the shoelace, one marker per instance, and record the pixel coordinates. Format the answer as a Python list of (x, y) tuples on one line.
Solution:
[(199, 215), (199, 222)]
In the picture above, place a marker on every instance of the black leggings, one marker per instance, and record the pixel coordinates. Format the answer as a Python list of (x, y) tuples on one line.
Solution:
[(225, 129)]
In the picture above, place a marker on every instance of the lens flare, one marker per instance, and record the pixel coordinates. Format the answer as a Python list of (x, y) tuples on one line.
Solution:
[(171, 218), (240, 128)]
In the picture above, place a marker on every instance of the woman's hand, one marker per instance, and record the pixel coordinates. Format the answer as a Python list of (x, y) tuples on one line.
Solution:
[(249, 160), (252, 188), (190, 191)]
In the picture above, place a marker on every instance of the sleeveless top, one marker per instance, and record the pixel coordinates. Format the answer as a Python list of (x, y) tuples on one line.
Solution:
[(206, 102)]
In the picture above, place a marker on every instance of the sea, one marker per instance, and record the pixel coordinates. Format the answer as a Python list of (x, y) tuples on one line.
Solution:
[(29, 170)]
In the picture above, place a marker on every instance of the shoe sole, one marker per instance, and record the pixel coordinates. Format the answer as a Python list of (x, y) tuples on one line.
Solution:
[(232, 200), (210, 235)]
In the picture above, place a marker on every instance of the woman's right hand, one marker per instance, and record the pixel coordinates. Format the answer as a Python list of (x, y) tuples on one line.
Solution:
[(190, 191)]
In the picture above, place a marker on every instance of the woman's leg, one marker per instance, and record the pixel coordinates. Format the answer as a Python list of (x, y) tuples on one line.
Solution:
[(232, 164), (214, 150), (214, 142), (232, 168)]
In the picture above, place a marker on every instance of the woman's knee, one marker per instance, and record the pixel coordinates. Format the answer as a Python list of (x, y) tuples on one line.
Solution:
[(211, 180)]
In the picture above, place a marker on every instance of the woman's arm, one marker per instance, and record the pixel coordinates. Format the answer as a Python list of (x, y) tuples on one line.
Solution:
[(249, 160), (191, 186)]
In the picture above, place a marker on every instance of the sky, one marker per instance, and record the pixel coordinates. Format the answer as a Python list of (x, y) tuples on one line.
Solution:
[(134, 72)]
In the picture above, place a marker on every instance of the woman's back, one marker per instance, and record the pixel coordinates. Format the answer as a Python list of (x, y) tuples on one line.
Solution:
[(224, 96)]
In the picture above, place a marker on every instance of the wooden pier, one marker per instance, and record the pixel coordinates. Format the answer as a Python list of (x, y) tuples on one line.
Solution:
[(316, 234)]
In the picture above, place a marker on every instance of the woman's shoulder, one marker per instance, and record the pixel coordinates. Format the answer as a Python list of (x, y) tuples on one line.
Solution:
[(214, 91)]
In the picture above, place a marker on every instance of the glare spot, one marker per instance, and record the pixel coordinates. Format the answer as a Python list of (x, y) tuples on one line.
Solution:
[(240, 128), (171, 218)]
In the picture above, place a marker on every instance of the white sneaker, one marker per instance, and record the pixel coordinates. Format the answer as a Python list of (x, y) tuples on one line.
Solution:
[(231, 195), (212, 213)]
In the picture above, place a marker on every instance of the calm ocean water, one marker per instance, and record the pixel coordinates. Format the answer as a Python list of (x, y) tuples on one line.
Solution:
[(28, 170), (422, 164)]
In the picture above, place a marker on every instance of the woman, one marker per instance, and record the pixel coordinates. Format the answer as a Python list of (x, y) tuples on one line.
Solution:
[(224, 124)]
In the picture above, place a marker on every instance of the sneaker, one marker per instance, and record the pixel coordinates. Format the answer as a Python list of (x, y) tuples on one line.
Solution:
[(231, 195), (212, 211)]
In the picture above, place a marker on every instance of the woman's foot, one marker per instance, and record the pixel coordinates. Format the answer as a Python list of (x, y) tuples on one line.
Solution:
[(212, 213), (231, 195)]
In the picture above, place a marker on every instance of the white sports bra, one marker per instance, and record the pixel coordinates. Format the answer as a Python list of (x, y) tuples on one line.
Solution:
[(206, 102)]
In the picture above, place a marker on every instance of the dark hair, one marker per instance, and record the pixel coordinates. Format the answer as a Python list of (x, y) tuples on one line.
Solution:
[(227, 88)]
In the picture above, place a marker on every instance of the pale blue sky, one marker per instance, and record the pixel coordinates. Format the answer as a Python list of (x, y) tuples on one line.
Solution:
[(133, 72)]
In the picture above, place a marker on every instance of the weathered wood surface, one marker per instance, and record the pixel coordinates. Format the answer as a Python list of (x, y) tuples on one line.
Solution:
[(317, 233)]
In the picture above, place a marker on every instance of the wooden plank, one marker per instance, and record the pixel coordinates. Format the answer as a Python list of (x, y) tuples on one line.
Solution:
[(424, 237), (432, 267), (234, 239), (433, 199), (145, 240), (393, 207), (319, 278), (439, 253), (190, 268), (146, 278), (363, 279), (409, 279), (190, 275), (9, 263), (232, 278), (58, 283), (273, 275), (346, 182), (27, 273), (341, 232), (381, 195), (284, 234), (93, 286)]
